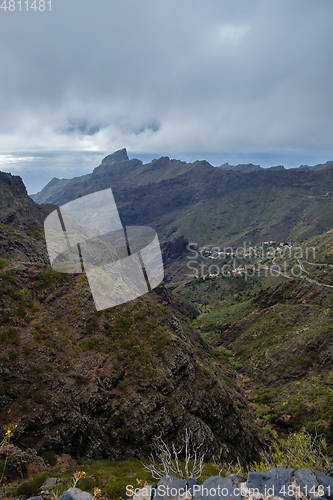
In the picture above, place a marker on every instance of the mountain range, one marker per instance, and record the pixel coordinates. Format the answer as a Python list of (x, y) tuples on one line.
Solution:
[(206, 204), (103, 384), (230, 358)]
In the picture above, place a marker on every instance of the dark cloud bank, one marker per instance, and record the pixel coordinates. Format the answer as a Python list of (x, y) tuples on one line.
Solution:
[(225, 81)]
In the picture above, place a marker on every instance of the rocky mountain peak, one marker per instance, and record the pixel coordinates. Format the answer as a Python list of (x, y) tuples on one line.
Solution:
[(115, 167), (161, 162), (16, 207), (120, 155), (12, 184)]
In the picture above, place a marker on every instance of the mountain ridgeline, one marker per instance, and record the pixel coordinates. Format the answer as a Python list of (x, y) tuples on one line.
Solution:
[(227, 358), (103, 384), (206, 204)]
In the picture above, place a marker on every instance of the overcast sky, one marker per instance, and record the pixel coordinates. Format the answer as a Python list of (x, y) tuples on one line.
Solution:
[(225, 80)]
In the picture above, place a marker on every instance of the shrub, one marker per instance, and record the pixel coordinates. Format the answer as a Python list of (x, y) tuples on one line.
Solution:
[(9, 277), (150, 327), (32, 426), (14, 336), (50, 456), (4, 263), (225, 351), (67, 363), (122, 385), (162, 342), (90, 344), (236, 364), (38, 369), (298, 450), (36, 234), (168, 462), (21, 309), (122, 325), (47, 278), (139, 315), (86, 484), (31, 488), (115, 489), (80, 380), (92, 324), (4, 357)]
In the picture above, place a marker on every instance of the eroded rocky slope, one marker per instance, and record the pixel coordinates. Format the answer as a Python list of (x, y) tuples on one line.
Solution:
[(16, 207), (104, 384)]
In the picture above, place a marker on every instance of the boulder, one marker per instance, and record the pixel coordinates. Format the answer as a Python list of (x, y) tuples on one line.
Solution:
[(17, 464), (276, 483), (326, 482), (48, 486), (170, 488), (307, 482), (217, 487), (76, 494), (190, 484)]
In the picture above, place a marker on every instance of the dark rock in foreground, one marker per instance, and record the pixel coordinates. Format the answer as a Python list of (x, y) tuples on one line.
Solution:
[(276, 483)]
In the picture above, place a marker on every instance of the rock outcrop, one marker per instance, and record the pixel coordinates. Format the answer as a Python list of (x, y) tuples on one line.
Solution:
[(18, 462), (276, 483), (279, 483), (16, 207)]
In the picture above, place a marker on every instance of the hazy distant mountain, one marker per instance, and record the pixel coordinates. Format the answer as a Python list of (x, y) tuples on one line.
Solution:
[(116, 169), (206, 204), (320, 165), (248, 167)]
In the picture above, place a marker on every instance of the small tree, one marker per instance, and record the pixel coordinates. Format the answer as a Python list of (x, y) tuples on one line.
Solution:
[(168, 461)]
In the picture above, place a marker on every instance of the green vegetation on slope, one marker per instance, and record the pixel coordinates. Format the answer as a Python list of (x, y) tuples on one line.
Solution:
[(277, 331)]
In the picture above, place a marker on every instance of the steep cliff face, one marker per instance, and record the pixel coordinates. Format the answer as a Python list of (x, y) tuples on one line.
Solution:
[(16, 207), (104, 384), (11, 185), (21, 222)]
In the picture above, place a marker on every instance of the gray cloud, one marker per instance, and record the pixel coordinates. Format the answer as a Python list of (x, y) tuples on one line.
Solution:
[(173, 77)]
